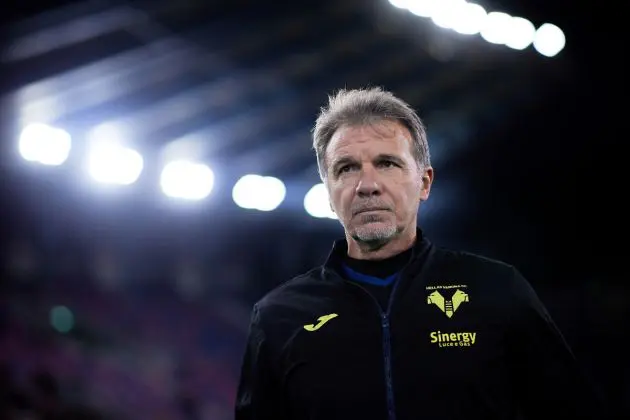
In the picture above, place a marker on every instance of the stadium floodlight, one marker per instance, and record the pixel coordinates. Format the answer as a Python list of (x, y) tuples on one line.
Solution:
[(496, 28), (245, 191), (186, 180), (549, 40), (110, 163), (109, 160), (521, 34), (263, 193), (317, 204), (44, 144), (470, 19), (448, 14), (275, 192)]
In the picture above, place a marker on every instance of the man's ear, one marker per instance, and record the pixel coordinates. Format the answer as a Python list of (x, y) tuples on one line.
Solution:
[(426, 182), (328, 195)]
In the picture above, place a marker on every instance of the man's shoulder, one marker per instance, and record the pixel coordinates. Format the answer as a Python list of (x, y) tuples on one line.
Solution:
[(292, 291), (491, 280), (474, 260), (474, 266)]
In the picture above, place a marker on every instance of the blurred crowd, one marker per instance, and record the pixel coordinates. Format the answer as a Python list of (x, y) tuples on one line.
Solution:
[(69, 350), (39, 398)]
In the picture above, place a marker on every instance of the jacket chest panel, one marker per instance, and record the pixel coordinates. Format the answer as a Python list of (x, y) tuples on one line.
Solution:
[(438, 352), (342, 357)]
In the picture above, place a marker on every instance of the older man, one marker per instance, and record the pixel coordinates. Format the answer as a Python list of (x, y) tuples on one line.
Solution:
[(391, 326)]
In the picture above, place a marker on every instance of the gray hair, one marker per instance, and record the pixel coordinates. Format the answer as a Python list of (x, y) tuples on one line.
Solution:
[(365, 106)]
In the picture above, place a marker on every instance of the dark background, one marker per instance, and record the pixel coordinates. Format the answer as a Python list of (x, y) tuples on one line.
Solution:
[(527, 151)]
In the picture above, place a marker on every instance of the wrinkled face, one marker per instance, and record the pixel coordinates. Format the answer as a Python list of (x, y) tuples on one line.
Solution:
[(374, 182)]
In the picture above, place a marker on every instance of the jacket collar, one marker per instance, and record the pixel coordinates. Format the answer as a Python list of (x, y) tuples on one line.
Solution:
[(340, 250)]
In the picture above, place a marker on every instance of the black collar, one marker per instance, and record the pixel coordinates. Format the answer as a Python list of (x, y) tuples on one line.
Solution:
[(339, 252)]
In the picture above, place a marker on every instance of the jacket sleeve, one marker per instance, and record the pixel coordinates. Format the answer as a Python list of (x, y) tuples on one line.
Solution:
[(258, 393), (549, 380)]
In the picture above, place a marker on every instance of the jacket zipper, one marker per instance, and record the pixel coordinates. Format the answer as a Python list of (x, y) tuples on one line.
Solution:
[(387, 346), (391, 412)]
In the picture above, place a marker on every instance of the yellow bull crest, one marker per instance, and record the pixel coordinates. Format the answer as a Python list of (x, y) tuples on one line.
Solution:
[(448, 306)]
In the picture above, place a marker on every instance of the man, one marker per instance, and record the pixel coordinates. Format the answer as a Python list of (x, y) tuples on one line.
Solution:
[(391, 326)]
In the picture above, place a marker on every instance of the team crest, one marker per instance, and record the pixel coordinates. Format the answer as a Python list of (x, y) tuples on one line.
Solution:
[(448, 306)]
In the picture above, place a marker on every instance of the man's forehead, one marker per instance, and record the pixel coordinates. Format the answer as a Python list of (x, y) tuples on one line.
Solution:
[(377, 129), (389, 135)]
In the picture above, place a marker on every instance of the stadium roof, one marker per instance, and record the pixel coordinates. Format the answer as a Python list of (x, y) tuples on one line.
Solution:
[(240, 83)]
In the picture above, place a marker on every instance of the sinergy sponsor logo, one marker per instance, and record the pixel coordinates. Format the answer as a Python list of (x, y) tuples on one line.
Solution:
[(453, 339)]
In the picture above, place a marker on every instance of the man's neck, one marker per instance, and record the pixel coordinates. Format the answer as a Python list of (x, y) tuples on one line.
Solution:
[(400, 243)]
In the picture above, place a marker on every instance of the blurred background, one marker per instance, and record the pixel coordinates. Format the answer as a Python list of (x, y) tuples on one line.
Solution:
[(157, 178)]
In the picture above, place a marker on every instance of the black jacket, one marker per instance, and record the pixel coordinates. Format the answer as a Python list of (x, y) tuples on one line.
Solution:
[(464, 337)]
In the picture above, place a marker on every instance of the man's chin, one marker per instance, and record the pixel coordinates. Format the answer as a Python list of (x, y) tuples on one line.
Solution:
[(375, 232)]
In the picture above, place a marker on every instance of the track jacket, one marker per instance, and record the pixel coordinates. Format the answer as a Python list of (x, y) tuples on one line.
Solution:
[(462, 337)]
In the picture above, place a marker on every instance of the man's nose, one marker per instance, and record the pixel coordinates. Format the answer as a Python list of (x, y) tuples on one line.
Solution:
[(368, 184)]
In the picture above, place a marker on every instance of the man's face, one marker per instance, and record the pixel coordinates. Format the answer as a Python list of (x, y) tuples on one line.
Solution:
[(374, 182)]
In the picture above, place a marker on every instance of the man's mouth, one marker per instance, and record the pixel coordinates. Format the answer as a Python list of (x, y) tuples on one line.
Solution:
[(369, 210)]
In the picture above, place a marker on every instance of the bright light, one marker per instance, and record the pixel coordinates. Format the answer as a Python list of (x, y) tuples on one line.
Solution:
[(549, 40), (316, 202), (187, 180), (109, 161), (44, 144), (521, 33), (496, 28), (257, 192), (448, 14), (470, 20), (245, 191), (275, 192), (499, 28), (114, 164)]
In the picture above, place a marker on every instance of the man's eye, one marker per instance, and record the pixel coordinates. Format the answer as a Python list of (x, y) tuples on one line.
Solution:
[(387, 164), (345, 168)]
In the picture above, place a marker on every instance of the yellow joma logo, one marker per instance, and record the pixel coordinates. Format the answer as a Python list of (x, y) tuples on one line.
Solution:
[(322, 320), (448, 306)]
